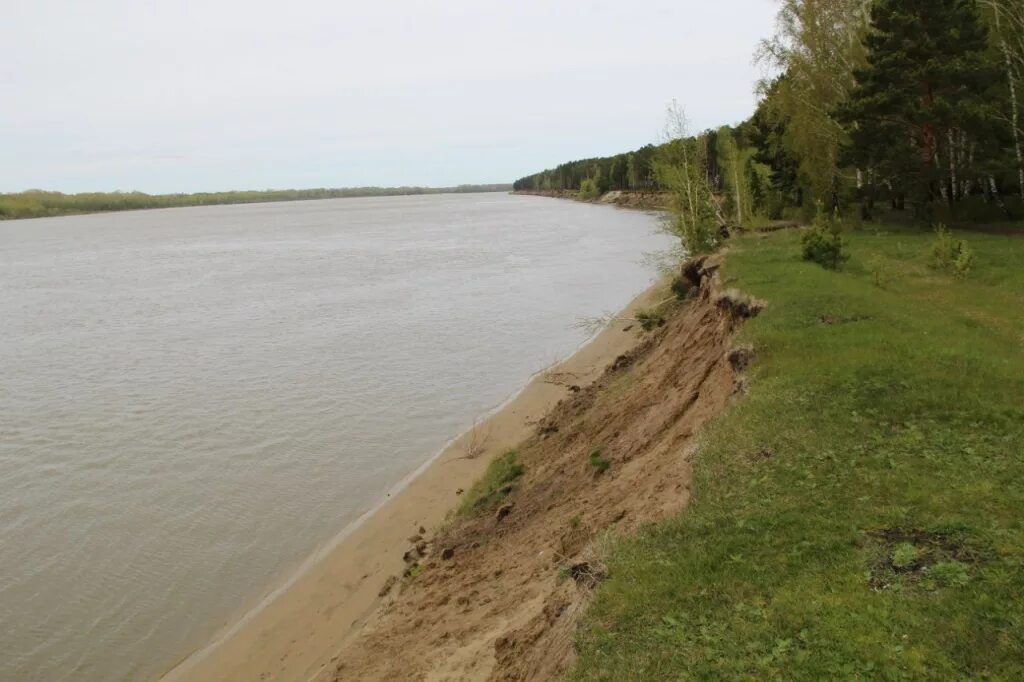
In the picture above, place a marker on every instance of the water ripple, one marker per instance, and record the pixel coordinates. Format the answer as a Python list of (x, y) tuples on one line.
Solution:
[(193, 400)]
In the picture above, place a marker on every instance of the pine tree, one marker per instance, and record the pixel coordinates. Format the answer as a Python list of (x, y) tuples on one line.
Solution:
[(921, 103)]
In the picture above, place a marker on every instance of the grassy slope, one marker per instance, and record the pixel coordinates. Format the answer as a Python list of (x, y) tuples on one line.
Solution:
[(907, 414)]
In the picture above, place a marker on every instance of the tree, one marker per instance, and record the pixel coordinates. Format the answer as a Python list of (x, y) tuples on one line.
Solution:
[(817, 47), (920, 105), (1008, 28), (681, 167), (733, 164), (766, 131)]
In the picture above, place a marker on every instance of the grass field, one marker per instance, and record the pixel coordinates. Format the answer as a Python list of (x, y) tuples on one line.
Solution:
[(860, 513)]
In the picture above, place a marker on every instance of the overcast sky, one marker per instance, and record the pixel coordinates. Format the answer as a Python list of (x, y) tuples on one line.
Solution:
[(244, 94)]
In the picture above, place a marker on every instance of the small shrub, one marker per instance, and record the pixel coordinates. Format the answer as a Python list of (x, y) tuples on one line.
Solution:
[(682, 288), (823, 242), (649, 319), (413, 572), (949, 574), (575, 522), (904, 555), (949, 254), (589, 190), (597, 461), (964, 261), (495, 485), (881, 273)]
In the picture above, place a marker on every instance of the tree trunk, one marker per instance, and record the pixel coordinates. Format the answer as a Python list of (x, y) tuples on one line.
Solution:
[(995, 193), (952, 166), (1011, 77), (739, 201)]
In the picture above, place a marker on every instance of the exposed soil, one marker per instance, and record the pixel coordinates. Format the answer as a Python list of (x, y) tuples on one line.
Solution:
[(497, 596), (648, 201)]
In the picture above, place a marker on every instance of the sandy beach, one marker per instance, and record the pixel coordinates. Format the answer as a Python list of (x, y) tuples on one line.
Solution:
[(296, 629)]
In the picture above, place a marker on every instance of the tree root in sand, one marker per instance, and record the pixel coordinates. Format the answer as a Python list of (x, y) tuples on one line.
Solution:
[(504, 601)]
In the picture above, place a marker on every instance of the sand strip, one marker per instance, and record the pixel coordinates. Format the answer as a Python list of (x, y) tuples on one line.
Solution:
[(297, 628)]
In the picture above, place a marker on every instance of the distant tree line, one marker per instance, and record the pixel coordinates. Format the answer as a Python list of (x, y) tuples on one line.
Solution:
[(38, 203), (629, 171), (915, 105)]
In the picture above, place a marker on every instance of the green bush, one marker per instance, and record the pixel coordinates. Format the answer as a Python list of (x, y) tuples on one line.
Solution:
[(598, 461), (823, 242), (682, 288), (904, 555), (949, 574), (881, 274), (650, 319), (949, 254), (589, 190)]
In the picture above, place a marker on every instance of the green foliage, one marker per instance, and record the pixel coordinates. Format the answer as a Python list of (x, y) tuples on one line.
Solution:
[(697, 236), (775, 179), (882, 273), (894, 102), (628, 171), (816, 46), (413, 572), (589, 190), (598, 461), (650, 319), (906, 410), (495, 485), (737, 172), (39, 204), (904, 555), (949, 254), (823, 242), (949, 574), (684, 166), (681, 287), (924, 97)]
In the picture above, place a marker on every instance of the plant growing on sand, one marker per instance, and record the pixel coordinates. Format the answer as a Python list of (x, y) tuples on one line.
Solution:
[(650, 319), (475, 443), (495, 485), (598, 461), (681, 167)]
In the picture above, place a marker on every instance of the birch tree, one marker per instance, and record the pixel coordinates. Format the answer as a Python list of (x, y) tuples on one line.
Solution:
[(733, 163), (1008, 34), (681, 167), (818, 46)]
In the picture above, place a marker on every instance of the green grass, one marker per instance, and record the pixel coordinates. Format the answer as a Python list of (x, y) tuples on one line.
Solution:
[(598, 460), (493, 487), (860, 514)]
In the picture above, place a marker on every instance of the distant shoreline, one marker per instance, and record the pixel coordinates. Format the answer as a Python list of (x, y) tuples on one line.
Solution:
[(44, 204), (641, 200)]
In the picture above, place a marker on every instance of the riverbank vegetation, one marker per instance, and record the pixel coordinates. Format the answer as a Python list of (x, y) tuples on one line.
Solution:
[(857, 514), (39, 204), (909, 105)]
